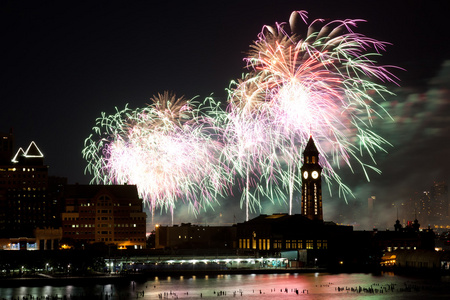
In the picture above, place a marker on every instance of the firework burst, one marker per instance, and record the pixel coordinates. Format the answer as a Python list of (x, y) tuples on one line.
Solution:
[(166, 149), (322, 84), (318, 84)]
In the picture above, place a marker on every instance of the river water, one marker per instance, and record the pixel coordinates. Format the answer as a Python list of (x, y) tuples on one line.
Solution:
[(260, 286)]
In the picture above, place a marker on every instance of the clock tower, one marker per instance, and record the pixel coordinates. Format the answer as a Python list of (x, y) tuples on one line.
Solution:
[(311, 183)]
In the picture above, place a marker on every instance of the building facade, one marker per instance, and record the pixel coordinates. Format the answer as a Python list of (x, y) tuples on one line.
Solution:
[(273, 234), (189, 236), (110, 214), (432, 206)]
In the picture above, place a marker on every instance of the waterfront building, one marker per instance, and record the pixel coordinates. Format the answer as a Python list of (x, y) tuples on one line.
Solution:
[(312, 241), (110, 214), (306, 235), (43, 239), (189, 236), (48, 238), (417, 260)]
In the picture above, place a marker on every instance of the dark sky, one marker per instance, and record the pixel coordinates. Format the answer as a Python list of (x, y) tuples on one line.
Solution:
[(65, 62)]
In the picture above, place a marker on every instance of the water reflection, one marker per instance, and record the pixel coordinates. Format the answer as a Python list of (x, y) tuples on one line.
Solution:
[(261, 286)]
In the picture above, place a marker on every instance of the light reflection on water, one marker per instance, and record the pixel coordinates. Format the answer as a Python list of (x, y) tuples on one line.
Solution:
[(261, 286)]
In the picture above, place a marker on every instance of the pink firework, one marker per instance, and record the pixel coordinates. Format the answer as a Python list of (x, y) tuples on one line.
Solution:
[(319, 84), (165, 149)]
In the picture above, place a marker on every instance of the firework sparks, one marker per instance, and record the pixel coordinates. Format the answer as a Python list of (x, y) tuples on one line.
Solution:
[(317, 84), (165, 149), (320, 84), (248, 151)]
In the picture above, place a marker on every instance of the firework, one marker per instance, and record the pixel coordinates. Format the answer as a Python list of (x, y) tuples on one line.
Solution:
[(166, 149), (248, 151), (318, 84)]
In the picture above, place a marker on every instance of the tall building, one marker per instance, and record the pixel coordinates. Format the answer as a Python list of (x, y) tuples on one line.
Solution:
[(111, 214), (370, 204), (431, 206), (311, 183), (24, 198), (420, 206), (370, 211), (6, 147), (439, 200)]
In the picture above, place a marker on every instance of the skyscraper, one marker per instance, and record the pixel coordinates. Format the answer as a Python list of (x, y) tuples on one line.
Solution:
[(6, 147), (430, 206), (24, 199), (439, 200)]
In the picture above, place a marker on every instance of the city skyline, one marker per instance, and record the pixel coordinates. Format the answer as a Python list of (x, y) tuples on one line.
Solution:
[(65, 65), (430, 206)]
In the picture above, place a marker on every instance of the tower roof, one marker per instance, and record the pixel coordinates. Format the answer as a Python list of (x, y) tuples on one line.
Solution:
[(311, 147), (33, 151), (31, 156), (19, 154)]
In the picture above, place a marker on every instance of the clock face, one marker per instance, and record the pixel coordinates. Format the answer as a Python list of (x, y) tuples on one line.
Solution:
[(315, 174), (305, 174)]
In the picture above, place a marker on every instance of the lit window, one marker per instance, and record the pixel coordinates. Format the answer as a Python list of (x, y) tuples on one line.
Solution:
[(294, 244)]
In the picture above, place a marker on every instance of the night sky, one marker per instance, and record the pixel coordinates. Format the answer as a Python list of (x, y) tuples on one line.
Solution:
[(65, 62)]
